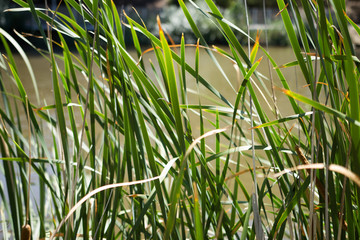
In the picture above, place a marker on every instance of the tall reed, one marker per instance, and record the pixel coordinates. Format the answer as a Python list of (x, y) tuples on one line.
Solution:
[(122, 153)]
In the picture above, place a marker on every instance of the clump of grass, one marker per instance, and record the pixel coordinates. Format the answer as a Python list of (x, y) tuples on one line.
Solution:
[(138, 167)]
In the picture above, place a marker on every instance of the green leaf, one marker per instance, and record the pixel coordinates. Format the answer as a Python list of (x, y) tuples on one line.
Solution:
[(321, 107)]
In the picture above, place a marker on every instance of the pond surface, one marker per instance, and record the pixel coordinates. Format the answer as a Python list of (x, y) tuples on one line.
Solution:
[(208, 70)]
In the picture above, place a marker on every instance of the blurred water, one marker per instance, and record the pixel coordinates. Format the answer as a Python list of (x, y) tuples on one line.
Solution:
[(208, 70)]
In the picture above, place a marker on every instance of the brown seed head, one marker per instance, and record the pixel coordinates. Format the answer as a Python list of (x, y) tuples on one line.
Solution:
[(26, 232)]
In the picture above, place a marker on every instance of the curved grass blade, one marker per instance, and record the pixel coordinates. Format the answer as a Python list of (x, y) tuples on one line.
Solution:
[(176, 188), (321, 107), (285, 119), (25, 58), (110, 186)]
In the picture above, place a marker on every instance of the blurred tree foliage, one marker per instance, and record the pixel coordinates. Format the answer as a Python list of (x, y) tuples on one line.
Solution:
[(3, 5), (118, 2), (224, 3), (250, 3), (134, 2), (259, 3)]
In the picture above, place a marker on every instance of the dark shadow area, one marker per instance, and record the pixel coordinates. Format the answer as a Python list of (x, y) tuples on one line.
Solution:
[(171, 15)]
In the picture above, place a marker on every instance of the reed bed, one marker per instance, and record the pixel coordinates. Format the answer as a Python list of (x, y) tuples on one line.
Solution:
[(122, 153)]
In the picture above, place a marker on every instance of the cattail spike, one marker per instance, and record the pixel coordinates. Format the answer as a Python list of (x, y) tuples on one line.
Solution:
[(26, 232)]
